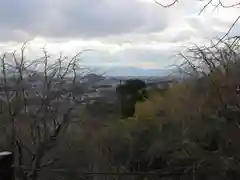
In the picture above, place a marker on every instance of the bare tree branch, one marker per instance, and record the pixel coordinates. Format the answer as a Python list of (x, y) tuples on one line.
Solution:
[(205, 6), (208, 2), (166, 5), (46, 109), (220, 3)]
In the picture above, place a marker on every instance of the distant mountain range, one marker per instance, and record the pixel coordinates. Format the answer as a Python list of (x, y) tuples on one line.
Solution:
[(131, 71)]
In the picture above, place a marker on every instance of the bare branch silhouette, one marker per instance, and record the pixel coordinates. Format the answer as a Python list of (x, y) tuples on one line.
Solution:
[(166, 5), (39, 100), (208, 3)]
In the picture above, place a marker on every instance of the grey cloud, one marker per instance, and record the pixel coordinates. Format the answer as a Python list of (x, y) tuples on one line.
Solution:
[(131, 56), (77, 18), (208, 28), (18, 14), (148, 38), (161, 57)]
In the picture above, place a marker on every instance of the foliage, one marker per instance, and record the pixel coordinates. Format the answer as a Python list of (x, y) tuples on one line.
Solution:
[(191, 127), (129, 93), (150, 107)]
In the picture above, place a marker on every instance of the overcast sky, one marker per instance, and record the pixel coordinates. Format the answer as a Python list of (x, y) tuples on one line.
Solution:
[(121, 32)]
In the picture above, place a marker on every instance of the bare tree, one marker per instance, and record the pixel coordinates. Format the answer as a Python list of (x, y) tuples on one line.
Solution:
[(220, 65), (216, 77), (38, 101)]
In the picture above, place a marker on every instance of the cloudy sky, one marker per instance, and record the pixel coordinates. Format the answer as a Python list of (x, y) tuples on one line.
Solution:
[(135, 33)]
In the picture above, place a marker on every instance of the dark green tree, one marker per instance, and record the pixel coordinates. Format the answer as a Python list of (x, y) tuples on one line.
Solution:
[(129, 93)]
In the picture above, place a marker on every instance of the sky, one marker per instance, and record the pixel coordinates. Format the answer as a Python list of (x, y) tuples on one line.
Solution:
[(135, 33)]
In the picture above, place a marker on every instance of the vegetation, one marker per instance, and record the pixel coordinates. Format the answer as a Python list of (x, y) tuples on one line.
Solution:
[(192, 128), (129, 93)]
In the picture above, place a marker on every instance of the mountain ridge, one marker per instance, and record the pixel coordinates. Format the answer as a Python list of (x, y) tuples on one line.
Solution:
[(131, 71)]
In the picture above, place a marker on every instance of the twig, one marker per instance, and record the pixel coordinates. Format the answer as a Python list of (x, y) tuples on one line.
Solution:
[(166, 5)]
